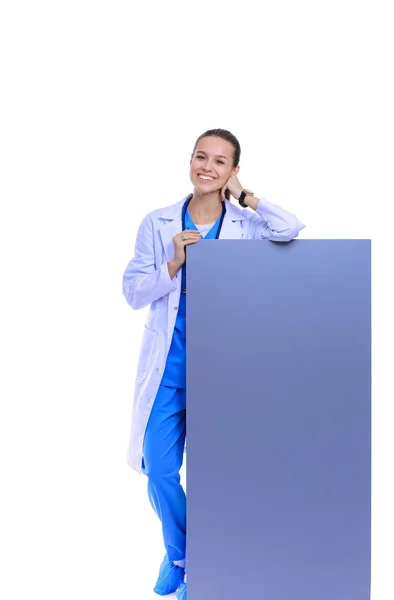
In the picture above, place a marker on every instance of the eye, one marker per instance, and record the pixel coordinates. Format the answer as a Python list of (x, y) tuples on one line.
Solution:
[(203, 157)]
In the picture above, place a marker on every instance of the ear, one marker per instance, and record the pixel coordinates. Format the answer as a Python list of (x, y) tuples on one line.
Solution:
[(236, 170)]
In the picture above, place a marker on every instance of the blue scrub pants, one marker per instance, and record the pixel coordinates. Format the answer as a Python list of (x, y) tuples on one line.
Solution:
[(163, 449)]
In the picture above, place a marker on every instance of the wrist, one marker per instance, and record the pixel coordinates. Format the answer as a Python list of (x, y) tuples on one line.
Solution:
[(177, 262), (251, 201), (248, 199), (173, 267)]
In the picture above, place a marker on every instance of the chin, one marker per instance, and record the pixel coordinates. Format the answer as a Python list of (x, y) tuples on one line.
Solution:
[(204, 191), (204, 188)]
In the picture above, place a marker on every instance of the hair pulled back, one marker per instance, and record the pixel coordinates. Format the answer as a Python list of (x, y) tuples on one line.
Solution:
[(229, 137)]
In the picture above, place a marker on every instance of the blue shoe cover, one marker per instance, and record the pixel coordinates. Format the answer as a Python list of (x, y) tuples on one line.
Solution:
[(182, 592), (170, 576)]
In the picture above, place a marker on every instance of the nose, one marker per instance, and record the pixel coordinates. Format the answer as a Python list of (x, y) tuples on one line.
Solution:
[(207, 166)]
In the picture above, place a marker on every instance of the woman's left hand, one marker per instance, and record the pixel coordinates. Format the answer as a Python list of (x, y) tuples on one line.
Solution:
[(233, 186)]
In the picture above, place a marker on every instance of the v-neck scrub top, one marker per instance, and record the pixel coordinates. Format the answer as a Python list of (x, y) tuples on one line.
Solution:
[(175, 371)]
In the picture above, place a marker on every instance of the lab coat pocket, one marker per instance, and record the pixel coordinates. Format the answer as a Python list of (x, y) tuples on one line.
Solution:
[(147, 346)]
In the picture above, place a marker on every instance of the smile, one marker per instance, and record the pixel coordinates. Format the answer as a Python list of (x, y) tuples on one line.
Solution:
[(206, 178)]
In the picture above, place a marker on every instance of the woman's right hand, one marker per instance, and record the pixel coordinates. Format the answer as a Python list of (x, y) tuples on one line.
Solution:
[(190, 236), (181, 240)]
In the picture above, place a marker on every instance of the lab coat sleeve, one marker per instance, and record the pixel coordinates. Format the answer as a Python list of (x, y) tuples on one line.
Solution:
[(272, 222), (143, 283)]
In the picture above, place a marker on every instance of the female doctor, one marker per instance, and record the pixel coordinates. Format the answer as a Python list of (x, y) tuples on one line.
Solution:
[(156, 276)]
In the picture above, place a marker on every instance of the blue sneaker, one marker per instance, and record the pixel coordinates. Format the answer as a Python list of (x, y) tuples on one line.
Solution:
[(170, 576), (182, 591)]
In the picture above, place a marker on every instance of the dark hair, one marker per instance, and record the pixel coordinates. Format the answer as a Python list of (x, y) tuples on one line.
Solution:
[(229, 137)]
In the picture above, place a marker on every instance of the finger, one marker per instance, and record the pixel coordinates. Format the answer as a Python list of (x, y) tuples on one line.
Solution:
[(190, 236), (186, 234), (195, 238)]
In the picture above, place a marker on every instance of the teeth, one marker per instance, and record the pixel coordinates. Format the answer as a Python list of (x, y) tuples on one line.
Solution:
[(208, 178)]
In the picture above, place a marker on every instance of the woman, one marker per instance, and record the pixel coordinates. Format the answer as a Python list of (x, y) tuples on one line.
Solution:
[(156, 276)]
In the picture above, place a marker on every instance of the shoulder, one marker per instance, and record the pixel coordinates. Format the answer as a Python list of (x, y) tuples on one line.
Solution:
[(172, 211), (236, 213)]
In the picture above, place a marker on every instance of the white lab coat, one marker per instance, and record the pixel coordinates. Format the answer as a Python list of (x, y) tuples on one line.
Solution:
[(146, 281)]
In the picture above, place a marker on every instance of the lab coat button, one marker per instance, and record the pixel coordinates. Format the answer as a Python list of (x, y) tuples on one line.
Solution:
[(157, 369), (175, 308)]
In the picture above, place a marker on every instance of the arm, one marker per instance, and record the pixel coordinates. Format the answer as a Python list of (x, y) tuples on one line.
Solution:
[(142, 282), (271, 221)]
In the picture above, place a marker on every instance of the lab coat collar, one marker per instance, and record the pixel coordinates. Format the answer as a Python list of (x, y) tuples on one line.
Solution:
[(170, 213), (172, 224)]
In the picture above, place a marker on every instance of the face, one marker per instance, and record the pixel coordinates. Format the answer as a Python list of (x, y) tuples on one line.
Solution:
[(212, 164)]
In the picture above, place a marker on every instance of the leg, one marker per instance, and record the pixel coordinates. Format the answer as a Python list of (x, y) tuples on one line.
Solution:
[(163, 456)]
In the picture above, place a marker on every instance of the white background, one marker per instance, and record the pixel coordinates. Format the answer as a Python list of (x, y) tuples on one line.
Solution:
[(101, 104)]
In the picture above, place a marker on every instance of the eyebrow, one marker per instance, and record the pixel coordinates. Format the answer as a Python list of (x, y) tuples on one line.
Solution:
[(202, 152)]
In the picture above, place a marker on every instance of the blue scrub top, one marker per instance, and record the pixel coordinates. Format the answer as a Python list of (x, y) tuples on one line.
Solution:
[(175, 371)]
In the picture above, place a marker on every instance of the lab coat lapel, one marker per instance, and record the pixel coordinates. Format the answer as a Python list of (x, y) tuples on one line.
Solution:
[(168, 229), (171, 224), (231, 227)]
